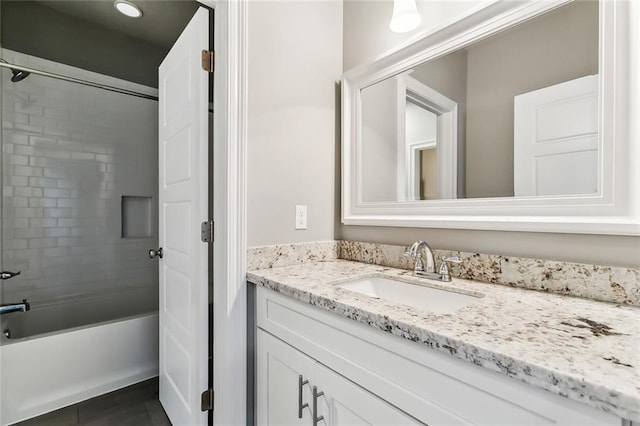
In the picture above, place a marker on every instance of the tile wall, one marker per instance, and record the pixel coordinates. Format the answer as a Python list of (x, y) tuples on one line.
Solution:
[(70, 153)]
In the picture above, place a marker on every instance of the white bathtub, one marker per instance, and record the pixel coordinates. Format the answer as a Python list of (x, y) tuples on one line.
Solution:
[(42, 370)]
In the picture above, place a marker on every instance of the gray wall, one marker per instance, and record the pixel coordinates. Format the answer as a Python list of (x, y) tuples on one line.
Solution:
[(448, 75), (366, 37), (295, 62), (554, 48), (41, 31), (380, 141), (484, 78)]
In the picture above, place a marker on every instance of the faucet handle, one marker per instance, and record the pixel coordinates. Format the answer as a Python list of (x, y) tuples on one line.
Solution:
[(444, 268), (413, 254), (451, 259)]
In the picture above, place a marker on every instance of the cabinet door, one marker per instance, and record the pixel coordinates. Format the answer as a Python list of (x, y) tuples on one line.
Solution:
[(345, 403), (278, 371)]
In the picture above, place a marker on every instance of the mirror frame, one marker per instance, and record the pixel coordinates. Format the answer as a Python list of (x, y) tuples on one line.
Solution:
[(614, 210)]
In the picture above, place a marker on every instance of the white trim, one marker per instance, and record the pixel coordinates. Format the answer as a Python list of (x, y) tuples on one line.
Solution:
[(616, 210), (229, 294), (447, 136)]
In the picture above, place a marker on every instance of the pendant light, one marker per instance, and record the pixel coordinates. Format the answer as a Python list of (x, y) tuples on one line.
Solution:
[(405, 16)]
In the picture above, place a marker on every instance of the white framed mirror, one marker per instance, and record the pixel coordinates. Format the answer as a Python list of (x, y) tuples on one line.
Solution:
[(521, 116)]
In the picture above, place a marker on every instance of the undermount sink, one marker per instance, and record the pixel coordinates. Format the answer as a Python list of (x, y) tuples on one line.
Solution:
[(421, 297)]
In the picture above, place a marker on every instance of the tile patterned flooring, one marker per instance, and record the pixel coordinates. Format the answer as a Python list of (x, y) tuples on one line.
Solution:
[(136, 405)]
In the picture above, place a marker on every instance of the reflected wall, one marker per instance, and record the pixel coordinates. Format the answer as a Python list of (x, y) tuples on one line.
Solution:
[(483, 81)]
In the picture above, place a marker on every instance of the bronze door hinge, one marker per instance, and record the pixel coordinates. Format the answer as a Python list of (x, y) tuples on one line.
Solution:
[(208, 60), (206, 400)]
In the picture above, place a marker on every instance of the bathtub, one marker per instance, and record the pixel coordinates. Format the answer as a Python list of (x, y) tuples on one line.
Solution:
[(43, 368)]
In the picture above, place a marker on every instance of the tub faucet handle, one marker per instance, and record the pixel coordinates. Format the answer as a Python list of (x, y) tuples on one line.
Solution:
[(5, 275)]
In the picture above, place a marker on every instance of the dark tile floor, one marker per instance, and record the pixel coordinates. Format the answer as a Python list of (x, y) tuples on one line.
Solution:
[(136, 405)]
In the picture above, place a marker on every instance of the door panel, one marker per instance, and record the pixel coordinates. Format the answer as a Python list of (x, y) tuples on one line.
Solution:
[(178, 150), (174, 213), (556, 139), (279, 368), (575, 170), (345, 403), (177, 290), (183, 204)]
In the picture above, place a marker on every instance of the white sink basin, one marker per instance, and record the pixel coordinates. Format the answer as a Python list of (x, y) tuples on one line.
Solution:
[(417, 296)]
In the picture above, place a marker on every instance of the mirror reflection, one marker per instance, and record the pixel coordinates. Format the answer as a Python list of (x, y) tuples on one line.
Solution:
[(515, 114)]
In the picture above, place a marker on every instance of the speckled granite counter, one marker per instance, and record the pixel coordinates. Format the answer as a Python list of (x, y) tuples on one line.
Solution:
[(585, 350)]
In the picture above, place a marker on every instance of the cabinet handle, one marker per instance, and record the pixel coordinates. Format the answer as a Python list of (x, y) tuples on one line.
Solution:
[(316, 394), (301, 406)]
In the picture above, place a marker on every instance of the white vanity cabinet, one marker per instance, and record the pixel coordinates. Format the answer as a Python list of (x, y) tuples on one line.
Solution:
[(282, 382), (371, 377), (288, 379)]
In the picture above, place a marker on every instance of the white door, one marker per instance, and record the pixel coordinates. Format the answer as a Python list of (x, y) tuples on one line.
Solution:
[(556, 139), (183, 203)]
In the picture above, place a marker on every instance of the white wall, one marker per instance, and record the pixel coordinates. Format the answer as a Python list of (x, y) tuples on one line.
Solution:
[(421, 125), (366, 37), (366, 26), (294, 64)]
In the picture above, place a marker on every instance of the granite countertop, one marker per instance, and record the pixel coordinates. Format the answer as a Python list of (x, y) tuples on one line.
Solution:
[(584, 350)]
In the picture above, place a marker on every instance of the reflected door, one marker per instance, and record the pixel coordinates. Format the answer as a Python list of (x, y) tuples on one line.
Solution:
[(183, 204), (556, 139)]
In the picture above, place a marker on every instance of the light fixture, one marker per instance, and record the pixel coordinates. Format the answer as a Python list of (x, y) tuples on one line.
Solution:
[(127, 8), (405, 16)]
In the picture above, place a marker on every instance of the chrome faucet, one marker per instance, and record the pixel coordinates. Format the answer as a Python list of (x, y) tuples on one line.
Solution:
[(15, 307), (414, 253), (429, 271)]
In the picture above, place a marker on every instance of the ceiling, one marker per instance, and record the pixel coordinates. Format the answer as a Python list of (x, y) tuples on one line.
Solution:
[(161, 23)]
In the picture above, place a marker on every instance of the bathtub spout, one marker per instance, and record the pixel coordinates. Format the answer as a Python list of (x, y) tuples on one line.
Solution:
[(15, 307)]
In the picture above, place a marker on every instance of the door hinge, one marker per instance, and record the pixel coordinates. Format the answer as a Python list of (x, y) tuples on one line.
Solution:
[(208, 60), (206, 231), (206, 400)]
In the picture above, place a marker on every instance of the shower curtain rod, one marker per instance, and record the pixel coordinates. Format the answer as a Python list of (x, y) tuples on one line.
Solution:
[(79, 81)]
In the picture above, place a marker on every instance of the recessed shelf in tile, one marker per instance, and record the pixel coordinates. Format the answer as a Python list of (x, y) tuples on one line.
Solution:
[(136, 216)]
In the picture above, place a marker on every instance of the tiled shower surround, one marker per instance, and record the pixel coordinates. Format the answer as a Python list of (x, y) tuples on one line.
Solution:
[(70, 154)]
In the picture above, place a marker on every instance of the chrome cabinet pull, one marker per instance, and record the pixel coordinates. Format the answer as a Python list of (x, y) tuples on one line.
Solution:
[(153, 253), (316, 394), (301, 406)]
